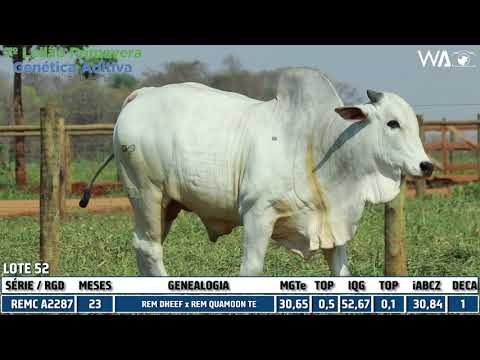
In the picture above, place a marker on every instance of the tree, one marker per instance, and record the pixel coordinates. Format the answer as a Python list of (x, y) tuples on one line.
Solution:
[(88, 101), (234, 78), (195, 71), (43, 84), (31, 104), (81, 100), (232, 64), (20, 165), (20, 53), (4, 92), (177, 72), (121, 80)]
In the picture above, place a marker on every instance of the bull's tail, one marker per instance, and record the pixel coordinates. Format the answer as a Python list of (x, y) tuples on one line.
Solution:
[(87, 192)]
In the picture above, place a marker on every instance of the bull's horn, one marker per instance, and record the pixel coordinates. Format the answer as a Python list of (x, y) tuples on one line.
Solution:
[(374, 96)]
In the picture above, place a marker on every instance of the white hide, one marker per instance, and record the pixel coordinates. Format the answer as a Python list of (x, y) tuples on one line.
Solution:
[(290, 169)]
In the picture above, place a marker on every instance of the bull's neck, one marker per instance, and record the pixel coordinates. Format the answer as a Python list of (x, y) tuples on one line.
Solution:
[(345, 160)]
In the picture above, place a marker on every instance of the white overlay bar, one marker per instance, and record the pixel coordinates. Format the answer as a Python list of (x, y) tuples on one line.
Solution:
[(240, 285)]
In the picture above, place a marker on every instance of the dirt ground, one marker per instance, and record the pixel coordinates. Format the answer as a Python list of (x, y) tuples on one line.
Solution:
[(12, 208)]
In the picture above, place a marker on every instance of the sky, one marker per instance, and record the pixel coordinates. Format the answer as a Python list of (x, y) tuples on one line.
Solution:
[(395, 68)]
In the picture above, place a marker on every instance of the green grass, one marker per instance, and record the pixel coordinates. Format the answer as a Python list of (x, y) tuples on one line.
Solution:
[(443, 238), (82, 170)]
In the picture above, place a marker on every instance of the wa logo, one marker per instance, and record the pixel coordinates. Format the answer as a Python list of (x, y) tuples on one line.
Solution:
[(442, 59)]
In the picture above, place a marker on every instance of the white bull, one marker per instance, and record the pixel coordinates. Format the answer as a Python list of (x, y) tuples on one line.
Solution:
[(290, 169)]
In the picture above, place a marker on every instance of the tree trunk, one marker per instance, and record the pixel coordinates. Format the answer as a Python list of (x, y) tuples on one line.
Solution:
[(395, 254), (20, 165), (420, 184)]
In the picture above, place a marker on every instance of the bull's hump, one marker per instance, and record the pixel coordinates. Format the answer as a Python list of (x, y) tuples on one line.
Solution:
[(202, 89), (303, 85)]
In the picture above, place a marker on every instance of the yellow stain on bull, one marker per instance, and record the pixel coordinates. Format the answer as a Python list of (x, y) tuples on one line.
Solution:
[(325, 231)]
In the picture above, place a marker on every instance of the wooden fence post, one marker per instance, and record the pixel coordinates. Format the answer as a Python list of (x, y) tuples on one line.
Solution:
[(49, 189), (420, 183), (478, 145), (452, 139), (68, 163), (4, 156), (61, 148), (395, 254), (444, 147)]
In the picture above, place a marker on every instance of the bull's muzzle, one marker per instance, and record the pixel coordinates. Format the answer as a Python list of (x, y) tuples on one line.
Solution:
[(427, 168)]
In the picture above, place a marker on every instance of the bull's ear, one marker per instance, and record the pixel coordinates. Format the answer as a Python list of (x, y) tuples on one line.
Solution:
[(352, 113)]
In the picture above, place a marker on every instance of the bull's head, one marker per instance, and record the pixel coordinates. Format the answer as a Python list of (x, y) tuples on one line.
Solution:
[(398, 139)]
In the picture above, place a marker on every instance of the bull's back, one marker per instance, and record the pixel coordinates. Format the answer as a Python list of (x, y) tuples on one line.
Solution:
[(191, 141)]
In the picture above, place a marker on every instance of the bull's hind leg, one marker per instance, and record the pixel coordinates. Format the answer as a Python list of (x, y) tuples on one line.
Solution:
[(149, 215), (149, 232), (337, 260)]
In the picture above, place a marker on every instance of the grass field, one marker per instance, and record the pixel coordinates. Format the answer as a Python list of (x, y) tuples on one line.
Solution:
[(443, 238), (82, 170)]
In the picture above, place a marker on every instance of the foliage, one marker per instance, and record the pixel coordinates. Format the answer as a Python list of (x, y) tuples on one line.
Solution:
[(98, 99), (233, 77), (122, 80), (87, 101)]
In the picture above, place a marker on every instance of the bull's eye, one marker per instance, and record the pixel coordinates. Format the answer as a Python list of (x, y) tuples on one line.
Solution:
[(393, 124)]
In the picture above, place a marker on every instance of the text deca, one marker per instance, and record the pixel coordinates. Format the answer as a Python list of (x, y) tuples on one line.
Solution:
[(25, 268), (465, 285), (293, 285)]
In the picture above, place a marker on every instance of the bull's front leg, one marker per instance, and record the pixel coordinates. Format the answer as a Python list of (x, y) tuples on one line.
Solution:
[(337, 260), (257, 230)]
